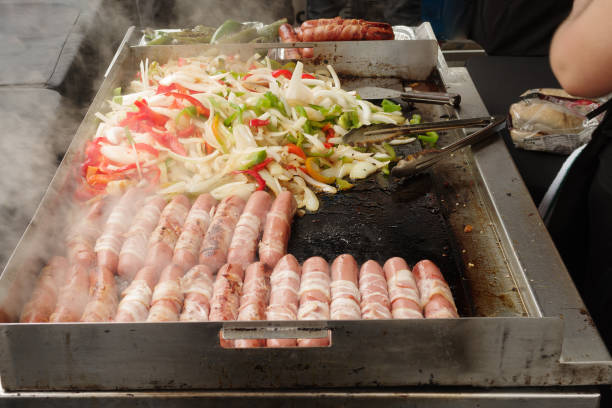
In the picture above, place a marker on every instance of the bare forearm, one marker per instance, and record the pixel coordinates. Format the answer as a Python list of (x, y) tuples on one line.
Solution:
[(581, 51)]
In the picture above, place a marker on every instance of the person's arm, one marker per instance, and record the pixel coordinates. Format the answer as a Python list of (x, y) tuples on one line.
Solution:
[(581, 50)]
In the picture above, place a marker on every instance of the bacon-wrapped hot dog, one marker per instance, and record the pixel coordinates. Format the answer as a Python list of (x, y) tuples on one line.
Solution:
[(255, 295), (403, 291), (197, 286), (164, 237), (103, 298), (134, 249), (197, 222), (277, 230), (288, 35), (167, 300), (436, 296), (136, 298), (243, 247), (345, 297), (373, 288), (226, 296), (73, 296), (338, 29), (284, 296), (315, 296), (82, 237), (44, 297), (219, 234)]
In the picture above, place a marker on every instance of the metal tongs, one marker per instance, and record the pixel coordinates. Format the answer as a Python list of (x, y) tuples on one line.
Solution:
[(417, 162)]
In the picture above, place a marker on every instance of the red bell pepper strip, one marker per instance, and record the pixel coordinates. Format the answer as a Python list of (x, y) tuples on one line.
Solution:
[(147, 148), (186, 132), (284, 72), (308, 76), (157, 118), (169, 141), (202, 110), (296, 150), (262, 165), (328, 145), (258, 122), (261, 183)]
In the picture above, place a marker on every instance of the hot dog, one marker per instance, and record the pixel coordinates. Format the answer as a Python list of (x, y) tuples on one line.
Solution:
[(403, 292), (436, 296), (315, 296), (284, 296), (227, 290), (136, 298), (255, 295), (197, 222), (375, 302), (82, 237), (73, 296), (167, 299), (103, 298), (277, 230), (287, 35), (197, 287), (345, 297), (44, 297)]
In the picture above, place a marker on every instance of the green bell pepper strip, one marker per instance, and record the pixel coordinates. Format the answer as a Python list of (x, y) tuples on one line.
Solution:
[(389, 106), (415, 119), (255, 159), (343, 184), (317, 154), (390, 151), (429, 139)]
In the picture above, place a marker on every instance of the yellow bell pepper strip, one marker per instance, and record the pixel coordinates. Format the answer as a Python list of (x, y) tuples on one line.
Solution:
[(215, 129), (291, 148), (312, 168)]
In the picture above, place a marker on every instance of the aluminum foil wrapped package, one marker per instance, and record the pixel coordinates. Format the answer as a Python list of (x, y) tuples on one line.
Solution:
[(551, 120)]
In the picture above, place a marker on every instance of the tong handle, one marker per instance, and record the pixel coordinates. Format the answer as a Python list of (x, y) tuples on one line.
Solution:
[(433, 126), (496, 123), (441, 98)]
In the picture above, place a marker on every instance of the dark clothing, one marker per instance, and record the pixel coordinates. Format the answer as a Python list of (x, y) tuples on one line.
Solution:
[(516, 27), (581, 225), (399, 12)]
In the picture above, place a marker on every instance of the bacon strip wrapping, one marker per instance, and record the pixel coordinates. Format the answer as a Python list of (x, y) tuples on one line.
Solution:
[(375, 302), (167, 300), (436, 296), (345, 297), (196, 224), (73, 296), (315, 296), (288, 35), (227, 290), (164, 237), (403, 292), (277, 230), (255, 296), (219, 234), (81, 238), (339, 29), (243, 247), (284, 296), (103, 297), (136, 298), (134, 249), (197, 286), (108, 245), (44, 296)]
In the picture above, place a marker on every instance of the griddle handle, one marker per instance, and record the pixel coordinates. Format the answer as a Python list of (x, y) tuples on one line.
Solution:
[(269, 330)]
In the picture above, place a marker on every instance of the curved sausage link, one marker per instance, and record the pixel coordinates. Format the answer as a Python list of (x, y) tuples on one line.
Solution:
[(284, 296), (108, 245), (136, 298), (375, 302), (403, 292), (288, 35), (219, 234), (344, 291), (44, 296), (73, 296), (163, 239), (188, 245), (436, 296), (227, 290), (197, 287), (315, 296), (254, 299), (243, 247), (134, 249), (277, 230), (103, 297), (167, 299), (82, 237)]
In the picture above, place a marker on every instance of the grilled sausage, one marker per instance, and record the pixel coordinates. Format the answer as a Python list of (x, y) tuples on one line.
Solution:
[(136, 298), (103, 298), (167, 300), (277, 230), (243, 247), (197, 287), (44, 296), (436, 296), (315, 296), (109, 243), (254, 299), (73, 296), (227, 290), (82, 237), (219, 234), (287, 35), (164, 237), (134, 249), (197, 222), (403, 291), (345, 295), (284, 296), (375, 302), (338, 29)]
